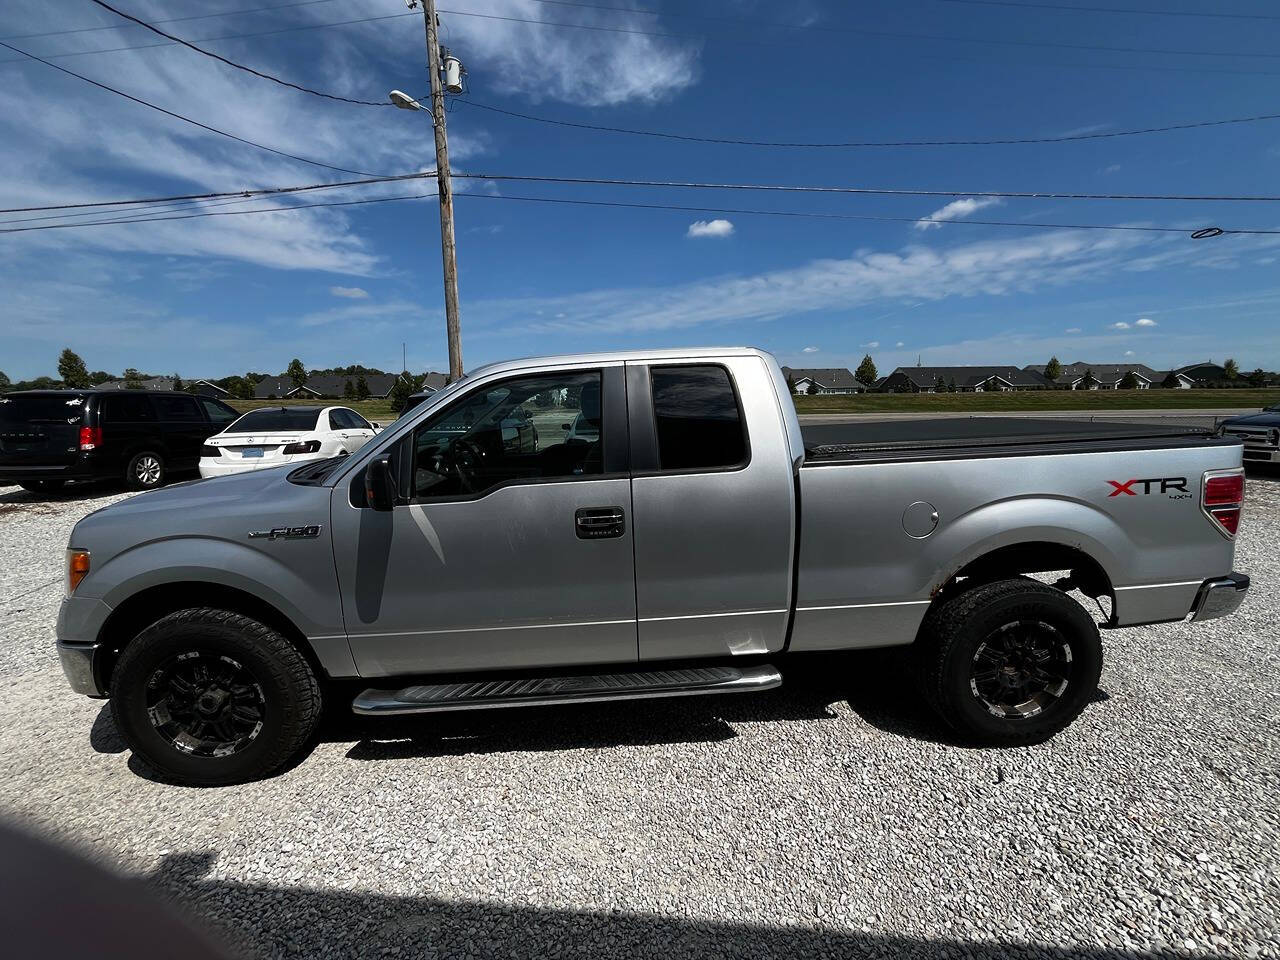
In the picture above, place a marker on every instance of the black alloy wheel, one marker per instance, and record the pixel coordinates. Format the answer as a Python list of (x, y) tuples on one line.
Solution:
[(1021, 669), (205, 704)]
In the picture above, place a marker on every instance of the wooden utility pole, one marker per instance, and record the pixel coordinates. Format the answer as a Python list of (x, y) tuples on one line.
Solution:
[(448, 246)]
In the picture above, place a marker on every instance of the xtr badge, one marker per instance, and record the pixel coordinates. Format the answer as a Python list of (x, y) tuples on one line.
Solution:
[(1151, 485)]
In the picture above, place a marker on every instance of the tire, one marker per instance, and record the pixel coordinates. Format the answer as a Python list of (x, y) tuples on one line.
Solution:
[(978, 648), (42, 486), (259, 706), (146, 471)]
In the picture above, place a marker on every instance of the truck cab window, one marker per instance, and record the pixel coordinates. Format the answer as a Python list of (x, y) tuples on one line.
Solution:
[(541, 427), (699, 424)]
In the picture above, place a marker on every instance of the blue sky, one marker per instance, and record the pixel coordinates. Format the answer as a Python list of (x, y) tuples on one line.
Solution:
[(221, 295)]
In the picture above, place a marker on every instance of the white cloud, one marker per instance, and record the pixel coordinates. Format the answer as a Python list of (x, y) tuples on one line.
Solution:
[(899, 344), (1146, 322), (870, 343), (1119, 325), (1073, 330), (351, 293), (964, 207), (1113, 168), (809, 350), (710, 228), (1128, 353)]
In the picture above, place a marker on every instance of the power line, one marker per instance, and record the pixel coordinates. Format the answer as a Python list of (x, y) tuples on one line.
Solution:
[(198, 16), (230, 36), (1204, 231), (872, 143), (873, 191), (885, 34), (238, 66), (178, 116), (1063, 6)]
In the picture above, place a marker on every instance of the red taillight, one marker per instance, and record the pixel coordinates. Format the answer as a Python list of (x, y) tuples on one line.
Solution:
[(90, 438), (1221, 497)]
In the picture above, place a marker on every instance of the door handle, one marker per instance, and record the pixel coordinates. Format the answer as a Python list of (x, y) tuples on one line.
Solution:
[(597, 523)]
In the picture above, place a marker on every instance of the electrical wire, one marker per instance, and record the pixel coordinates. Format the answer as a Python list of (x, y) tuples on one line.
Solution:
[(230, 36), (1063, 6), (886, 34), (198, 16), (872, 143), (872, 191), (178, 116), (238, 66), (1203, 232)]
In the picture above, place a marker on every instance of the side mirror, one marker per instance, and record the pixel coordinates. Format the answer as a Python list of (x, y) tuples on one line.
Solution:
[(566, 426), (375, 424), (379, 486)]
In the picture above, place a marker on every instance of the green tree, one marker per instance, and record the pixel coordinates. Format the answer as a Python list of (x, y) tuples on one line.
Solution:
[(1170, 381), (791, 384), (1052, 369), (866, 371), (951, 385), (1258, 378), (405, 385), (362, 388), (1088, 381), (348, 390), (132, 378), (1129, 381), (177, 383), (1229, 367), (296, 373), (72, 370), (100, 376), (940, 386), (4, 381), (812, 389)]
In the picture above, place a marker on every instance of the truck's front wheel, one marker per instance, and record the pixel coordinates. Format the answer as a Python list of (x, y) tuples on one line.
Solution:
[(209, 697), (1010, 663)]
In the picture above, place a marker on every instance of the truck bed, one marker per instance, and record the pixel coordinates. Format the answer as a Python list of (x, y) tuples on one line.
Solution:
[(967, 437)]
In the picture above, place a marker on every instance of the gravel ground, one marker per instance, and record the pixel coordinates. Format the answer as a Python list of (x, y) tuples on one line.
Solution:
[(831, 817)]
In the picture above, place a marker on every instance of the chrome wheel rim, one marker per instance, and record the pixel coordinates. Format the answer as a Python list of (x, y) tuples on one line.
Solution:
[(147, 470), (205, 705), (1021, 669)]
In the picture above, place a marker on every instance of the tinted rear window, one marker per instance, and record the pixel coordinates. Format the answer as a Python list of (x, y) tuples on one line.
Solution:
[(126, 408), (176, 408), (275, 420), (696, 413), (40, 409)]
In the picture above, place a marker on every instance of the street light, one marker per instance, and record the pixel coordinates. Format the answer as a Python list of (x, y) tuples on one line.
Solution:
[(404, 101)]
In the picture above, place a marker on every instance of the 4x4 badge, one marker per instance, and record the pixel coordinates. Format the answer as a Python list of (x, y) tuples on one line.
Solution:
[(287, 533)]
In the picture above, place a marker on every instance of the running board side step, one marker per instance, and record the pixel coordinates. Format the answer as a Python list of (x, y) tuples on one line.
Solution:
[(534, 691)]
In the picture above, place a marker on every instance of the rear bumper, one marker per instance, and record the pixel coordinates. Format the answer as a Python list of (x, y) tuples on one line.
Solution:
[(1220, 597), (225, 467), (1261, 455), (84, 467)]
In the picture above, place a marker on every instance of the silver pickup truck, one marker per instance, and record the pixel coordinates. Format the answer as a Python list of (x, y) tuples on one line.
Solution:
[(659, 525)]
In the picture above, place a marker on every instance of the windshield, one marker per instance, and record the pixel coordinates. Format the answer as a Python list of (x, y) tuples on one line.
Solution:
[(276, 420), (47, 409)]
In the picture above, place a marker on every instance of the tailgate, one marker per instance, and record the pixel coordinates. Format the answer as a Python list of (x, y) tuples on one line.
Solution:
[(40, 430)]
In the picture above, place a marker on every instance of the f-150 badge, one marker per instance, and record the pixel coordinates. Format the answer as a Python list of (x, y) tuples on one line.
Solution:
[(287, 533)]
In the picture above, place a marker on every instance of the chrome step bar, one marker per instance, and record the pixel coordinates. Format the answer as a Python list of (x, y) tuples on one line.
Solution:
[(535, 691)]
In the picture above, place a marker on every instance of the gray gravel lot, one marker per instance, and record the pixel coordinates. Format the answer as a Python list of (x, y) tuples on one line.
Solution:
[(831, 817)]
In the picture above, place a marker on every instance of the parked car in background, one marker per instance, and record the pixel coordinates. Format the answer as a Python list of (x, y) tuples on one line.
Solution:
[(1260, 433), (275, 436), (50, 437)]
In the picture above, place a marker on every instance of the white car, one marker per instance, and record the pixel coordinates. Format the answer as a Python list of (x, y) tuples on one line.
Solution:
[(276, 436)]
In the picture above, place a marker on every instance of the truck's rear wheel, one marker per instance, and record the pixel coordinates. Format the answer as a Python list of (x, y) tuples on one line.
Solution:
[(1010, 663), (208, 697)]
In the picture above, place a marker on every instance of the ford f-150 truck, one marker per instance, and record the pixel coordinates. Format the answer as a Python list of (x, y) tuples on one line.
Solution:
[(685, 539)]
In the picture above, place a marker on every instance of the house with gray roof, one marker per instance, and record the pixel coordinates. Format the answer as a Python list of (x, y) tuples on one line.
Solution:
[(825, 379), (962, 380), (1106, 376)]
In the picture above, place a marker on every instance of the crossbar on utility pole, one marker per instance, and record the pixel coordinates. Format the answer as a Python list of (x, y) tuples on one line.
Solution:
[(448, 246)]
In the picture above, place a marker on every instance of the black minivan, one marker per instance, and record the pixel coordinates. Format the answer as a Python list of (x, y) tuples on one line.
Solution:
[(49, 437)]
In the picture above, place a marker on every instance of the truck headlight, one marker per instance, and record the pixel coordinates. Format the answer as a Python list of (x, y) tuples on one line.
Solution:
[(77, 568)]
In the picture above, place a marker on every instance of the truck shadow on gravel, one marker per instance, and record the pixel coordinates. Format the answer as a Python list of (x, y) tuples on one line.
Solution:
[(265, 920), (877, 687)]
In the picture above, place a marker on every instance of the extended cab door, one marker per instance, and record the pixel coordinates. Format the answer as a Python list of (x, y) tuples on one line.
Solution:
[(511, 545), (713, 508)]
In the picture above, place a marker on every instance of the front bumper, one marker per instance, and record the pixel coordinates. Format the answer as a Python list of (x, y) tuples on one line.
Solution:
[(80, 621), (80, 665), (1220, 597)]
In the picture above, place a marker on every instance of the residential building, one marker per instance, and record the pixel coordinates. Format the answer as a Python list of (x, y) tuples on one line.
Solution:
[(146, 383), (1201, 374), (1106, 376), (825, 379), (965, 380)]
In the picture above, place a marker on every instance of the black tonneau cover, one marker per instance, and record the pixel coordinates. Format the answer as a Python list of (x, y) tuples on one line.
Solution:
[(962, 437)]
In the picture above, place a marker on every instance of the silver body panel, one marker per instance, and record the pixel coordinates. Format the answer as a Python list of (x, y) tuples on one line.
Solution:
[(707, 566)]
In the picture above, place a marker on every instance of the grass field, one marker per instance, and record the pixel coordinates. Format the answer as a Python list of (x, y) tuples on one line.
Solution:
[(1085, 400)]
